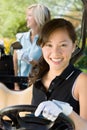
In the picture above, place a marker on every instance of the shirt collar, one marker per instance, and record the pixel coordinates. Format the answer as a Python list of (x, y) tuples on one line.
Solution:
[(28, 35), (67, 72)]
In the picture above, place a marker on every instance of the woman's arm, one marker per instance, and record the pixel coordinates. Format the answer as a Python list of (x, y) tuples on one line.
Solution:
[(52, 109), (80, 124), (80, 93), (15, 63)]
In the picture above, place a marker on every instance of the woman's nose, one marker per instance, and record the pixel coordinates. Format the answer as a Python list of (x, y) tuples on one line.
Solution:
[(57, 50)]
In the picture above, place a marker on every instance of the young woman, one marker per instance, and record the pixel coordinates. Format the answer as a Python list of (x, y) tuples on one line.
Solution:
[(37, 15), (55, 77)]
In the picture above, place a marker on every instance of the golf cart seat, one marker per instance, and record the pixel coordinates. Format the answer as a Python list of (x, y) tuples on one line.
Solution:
[(10, 97)]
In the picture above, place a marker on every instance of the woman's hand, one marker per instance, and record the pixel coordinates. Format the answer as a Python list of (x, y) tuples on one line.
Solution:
[(52, 109)]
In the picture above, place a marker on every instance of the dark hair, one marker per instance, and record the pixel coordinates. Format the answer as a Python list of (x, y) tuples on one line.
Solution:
[(42, 67), (53, 25)]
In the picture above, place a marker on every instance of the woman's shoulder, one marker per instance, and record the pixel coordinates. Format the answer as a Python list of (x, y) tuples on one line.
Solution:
[(80, 85), (21, 35), (82, 81), (83, 76)]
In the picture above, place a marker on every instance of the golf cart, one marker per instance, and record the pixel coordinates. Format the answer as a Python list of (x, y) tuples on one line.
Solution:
[(29, 121)]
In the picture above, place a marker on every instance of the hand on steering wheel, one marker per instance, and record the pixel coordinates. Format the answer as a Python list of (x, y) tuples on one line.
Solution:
[(30, 120), (52, 109)]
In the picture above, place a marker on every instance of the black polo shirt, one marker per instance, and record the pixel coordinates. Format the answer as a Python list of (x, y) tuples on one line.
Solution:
[(60, 88)]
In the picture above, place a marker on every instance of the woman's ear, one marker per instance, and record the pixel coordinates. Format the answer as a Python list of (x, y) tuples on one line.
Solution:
[(75, 50), (74, 47)]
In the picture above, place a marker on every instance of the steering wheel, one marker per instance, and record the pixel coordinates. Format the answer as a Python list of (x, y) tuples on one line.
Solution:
[(29, 121)]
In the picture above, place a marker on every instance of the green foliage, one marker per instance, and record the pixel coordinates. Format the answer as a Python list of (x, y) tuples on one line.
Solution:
[(82, 62), (12, 13), (12, 17)]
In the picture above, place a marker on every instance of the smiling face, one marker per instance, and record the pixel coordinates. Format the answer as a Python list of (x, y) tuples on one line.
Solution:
[(58, 49)]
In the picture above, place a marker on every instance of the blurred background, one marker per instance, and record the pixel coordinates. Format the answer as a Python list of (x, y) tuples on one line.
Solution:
[(13, 20)]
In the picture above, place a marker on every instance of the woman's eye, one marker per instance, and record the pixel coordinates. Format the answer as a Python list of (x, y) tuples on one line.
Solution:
[(64, 45), (49, 45)]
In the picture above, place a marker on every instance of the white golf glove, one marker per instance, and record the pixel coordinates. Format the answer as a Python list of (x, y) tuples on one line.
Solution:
[(65, 107), (52, 109)]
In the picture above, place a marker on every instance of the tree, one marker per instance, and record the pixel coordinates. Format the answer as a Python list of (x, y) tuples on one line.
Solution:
[(12, 16), (12, 13)]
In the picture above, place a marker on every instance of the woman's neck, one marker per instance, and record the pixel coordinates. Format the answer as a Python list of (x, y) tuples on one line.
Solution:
[(35, 31), (47, 79), (32, 35)]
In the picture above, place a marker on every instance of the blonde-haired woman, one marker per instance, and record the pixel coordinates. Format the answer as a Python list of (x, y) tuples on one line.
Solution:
[(36, 16)]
